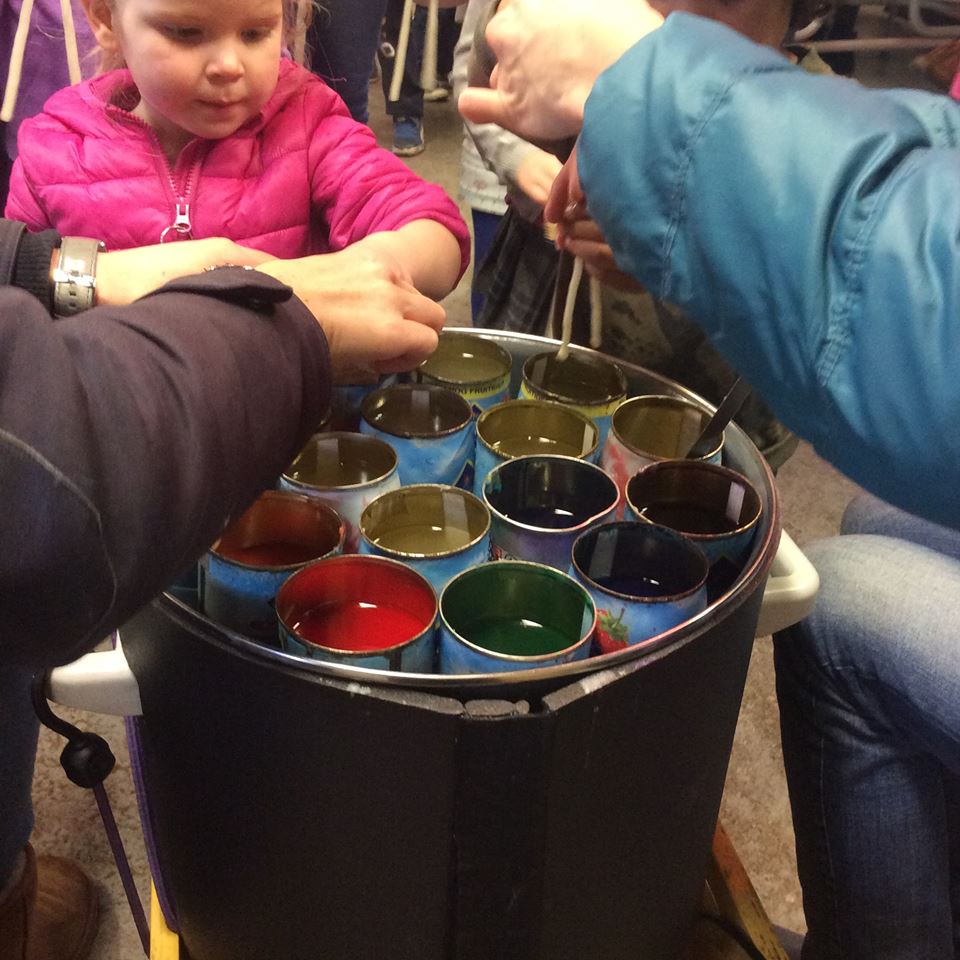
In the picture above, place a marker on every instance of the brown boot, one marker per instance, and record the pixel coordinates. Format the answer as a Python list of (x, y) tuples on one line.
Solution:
[(48, 911)]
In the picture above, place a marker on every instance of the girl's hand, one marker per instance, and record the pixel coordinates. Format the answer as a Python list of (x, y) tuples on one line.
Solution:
[(425, 251), (536, 173), (125, 275), (374, 319)]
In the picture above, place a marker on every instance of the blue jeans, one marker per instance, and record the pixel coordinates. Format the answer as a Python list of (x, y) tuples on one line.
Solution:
[(410, 103), (869, 692), (18, 750), (343, 40), (484, 229)]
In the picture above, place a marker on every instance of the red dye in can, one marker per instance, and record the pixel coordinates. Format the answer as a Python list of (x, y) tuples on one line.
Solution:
[(356, 625), (272, 553)]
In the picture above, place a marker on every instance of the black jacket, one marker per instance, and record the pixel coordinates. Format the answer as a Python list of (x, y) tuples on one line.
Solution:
[(130, 435)]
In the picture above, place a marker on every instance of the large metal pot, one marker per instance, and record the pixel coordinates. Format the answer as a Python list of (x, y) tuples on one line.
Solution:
[(303, 809)]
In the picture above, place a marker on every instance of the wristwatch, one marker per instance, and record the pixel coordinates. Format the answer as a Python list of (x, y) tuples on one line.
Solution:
[(75, 276)]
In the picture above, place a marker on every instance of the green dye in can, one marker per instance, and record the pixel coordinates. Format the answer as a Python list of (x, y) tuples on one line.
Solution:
[(518, 637)]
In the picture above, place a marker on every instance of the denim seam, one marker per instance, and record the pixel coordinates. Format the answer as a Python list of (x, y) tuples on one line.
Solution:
[(895, 694), (827, 850)]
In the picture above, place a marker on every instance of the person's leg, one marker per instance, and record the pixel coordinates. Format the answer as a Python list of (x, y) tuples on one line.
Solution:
[(48, 905), (516, 277), (869, 692), (869, 514), (448, 32), (407, 111), (343, 40), (484, 229), (952, 796), (18, 750)]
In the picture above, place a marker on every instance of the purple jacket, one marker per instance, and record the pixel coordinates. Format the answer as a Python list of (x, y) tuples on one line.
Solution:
[(44, 58), (302, 177)]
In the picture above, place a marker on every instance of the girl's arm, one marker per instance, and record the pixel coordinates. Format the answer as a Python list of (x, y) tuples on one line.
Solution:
[(360, 190), (425, 249), (22, 203)]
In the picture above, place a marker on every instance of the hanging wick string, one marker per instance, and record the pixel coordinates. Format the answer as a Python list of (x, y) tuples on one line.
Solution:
[(400, 55), (596, 313), (568, 306), (15, 71), (596, 310), (428, 68), (16, 62), (70, 41)]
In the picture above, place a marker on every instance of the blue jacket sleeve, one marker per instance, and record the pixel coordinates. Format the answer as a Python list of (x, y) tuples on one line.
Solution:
[(811, 226)]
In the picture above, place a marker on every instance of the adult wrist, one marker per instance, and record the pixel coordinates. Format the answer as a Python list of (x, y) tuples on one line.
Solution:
[(75, 276), (33, 263)]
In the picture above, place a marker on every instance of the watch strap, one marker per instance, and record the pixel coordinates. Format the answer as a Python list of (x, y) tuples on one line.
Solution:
[(75, 276)]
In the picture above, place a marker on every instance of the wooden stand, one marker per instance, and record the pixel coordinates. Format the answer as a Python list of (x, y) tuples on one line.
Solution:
[(729, 894)]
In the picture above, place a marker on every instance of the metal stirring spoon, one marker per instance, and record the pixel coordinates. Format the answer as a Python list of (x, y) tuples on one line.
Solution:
[(713, 431)]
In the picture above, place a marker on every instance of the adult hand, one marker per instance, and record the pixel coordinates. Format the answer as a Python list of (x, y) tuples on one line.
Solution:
[(375, 320), (566, 201), (580, 235), (125, 275), (535, 174), (584, 239), (549, 53)]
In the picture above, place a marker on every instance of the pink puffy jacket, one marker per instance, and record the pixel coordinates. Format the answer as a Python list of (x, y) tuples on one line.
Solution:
[(302, 177)]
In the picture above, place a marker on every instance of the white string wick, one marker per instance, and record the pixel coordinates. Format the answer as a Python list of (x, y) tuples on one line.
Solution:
[(596, 312), (70, 41), (567, 330), (16, 62), (428, 68), (400, 59)]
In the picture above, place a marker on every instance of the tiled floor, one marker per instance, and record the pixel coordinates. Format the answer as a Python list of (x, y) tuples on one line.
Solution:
[(755, 809)]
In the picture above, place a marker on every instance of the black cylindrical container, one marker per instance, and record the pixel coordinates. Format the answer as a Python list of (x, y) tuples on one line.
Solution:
[(312, 810)]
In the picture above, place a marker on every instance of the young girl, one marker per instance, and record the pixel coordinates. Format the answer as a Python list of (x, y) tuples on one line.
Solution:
[(208, 131)]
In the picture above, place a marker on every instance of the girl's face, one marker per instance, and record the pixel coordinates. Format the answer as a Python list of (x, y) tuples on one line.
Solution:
[(203, 67)]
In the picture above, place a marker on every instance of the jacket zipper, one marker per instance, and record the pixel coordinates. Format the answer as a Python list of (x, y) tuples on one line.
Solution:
[(181, 228)]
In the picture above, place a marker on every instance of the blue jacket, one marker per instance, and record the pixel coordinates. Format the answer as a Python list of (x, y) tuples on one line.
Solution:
[(811, 226)]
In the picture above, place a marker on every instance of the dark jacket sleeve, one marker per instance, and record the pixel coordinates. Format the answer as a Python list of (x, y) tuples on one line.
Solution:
[(129, 436)]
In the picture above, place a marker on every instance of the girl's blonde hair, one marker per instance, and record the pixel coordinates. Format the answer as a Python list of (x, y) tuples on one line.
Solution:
[(297, 16)]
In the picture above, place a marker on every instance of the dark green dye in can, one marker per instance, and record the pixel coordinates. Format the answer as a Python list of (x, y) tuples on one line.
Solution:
[(518, 637)]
